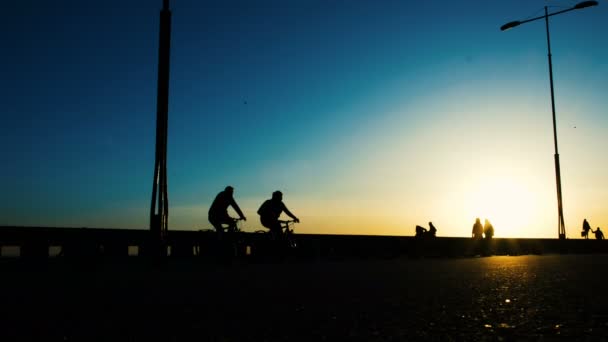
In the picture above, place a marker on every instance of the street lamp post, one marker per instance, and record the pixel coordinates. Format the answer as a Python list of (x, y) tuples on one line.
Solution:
[(561, 229)]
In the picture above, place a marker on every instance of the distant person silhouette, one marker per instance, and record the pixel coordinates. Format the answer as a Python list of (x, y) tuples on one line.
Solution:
[(477, 230), (420, 231), (586, 229), (488, 229), (599, 234), (218, 212), (432, 230), (271, 210)]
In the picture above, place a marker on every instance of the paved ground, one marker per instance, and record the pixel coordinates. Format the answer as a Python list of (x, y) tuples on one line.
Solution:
[(552, 297)]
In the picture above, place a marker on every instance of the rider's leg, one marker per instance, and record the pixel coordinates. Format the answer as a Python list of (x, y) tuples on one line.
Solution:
[(217, 225), (282, 242), (231, 236), (231, 225), (276, 230), (226, 243)]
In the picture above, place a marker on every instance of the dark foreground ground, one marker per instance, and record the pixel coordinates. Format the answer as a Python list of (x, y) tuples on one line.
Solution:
[(546, 298)]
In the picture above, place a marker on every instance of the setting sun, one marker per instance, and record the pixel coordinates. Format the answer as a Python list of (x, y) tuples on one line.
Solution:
[(509, 203)]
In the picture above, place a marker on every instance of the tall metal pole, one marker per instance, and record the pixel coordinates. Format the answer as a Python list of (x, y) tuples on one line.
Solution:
[(159, 209), (561, 229)]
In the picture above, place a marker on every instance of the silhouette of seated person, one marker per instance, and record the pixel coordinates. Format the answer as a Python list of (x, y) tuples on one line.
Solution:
[(218, 212), (477, 230), (586, 229), (420, 231), (488, 230), (270, 211), (432, 230), (599, 234)]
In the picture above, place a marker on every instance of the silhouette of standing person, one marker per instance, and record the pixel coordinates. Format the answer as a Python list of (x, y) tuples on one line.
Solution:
[(586, 229), (477, 230), (488, 229), (218, 212), (271, 210), (599, 234)]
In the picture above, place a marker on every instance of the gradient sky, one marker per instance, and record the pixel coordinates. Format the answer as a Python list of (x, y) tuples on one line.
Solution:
[(370, 116)]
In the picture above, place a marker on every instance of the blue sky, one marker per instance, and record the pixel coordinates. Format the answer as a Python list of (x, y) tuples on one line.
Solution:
[(370, 116)]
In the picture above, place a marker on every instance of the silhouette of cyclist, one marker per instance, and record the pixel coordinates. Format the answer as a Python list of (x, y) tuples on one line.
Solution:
[(271, 210), (218, 212)]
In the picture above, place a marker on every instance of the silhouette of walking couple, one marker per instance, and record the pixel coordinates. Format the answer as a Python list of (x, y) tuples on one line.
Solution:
[(479, 230)]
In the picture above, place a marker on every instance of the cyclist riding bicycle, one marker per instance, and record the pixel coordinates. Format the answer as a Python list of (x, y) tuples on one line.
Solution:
[(271, 210), (218, 212)]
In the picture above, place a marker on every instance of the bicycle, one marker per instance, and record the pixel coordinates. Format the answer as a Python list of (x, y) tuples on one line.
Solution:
[(226, 227), (228, 241), (278, 245), (289, 233), (234, 227)]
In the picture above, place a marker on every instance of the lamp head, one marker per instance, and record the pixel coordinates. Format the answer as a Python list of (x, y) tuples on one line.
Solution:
[(510, 25), (585, 4)]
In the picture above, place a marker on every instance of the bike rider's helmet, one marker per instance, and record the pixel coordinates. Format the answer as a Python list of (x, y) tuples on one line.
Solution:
[(229, 189)]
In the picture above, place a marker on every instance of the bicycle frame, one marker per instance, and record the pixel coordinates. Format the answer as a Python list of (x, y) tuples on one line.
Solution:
[(286, 224), (233, 228), (288, 233)]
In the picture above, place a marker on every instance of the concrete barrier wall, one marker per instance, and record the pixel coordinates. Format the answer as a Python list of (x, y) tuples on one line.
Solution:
[(44, 242)]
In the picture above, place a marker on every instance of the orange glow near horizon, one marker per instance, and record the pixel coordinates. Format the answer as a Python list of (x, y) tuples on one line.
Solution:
[(508, 203)]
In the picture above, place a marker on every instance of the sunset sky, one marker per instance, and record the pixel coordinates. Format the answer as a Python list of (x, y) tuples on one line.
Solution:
[(370, 116)]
